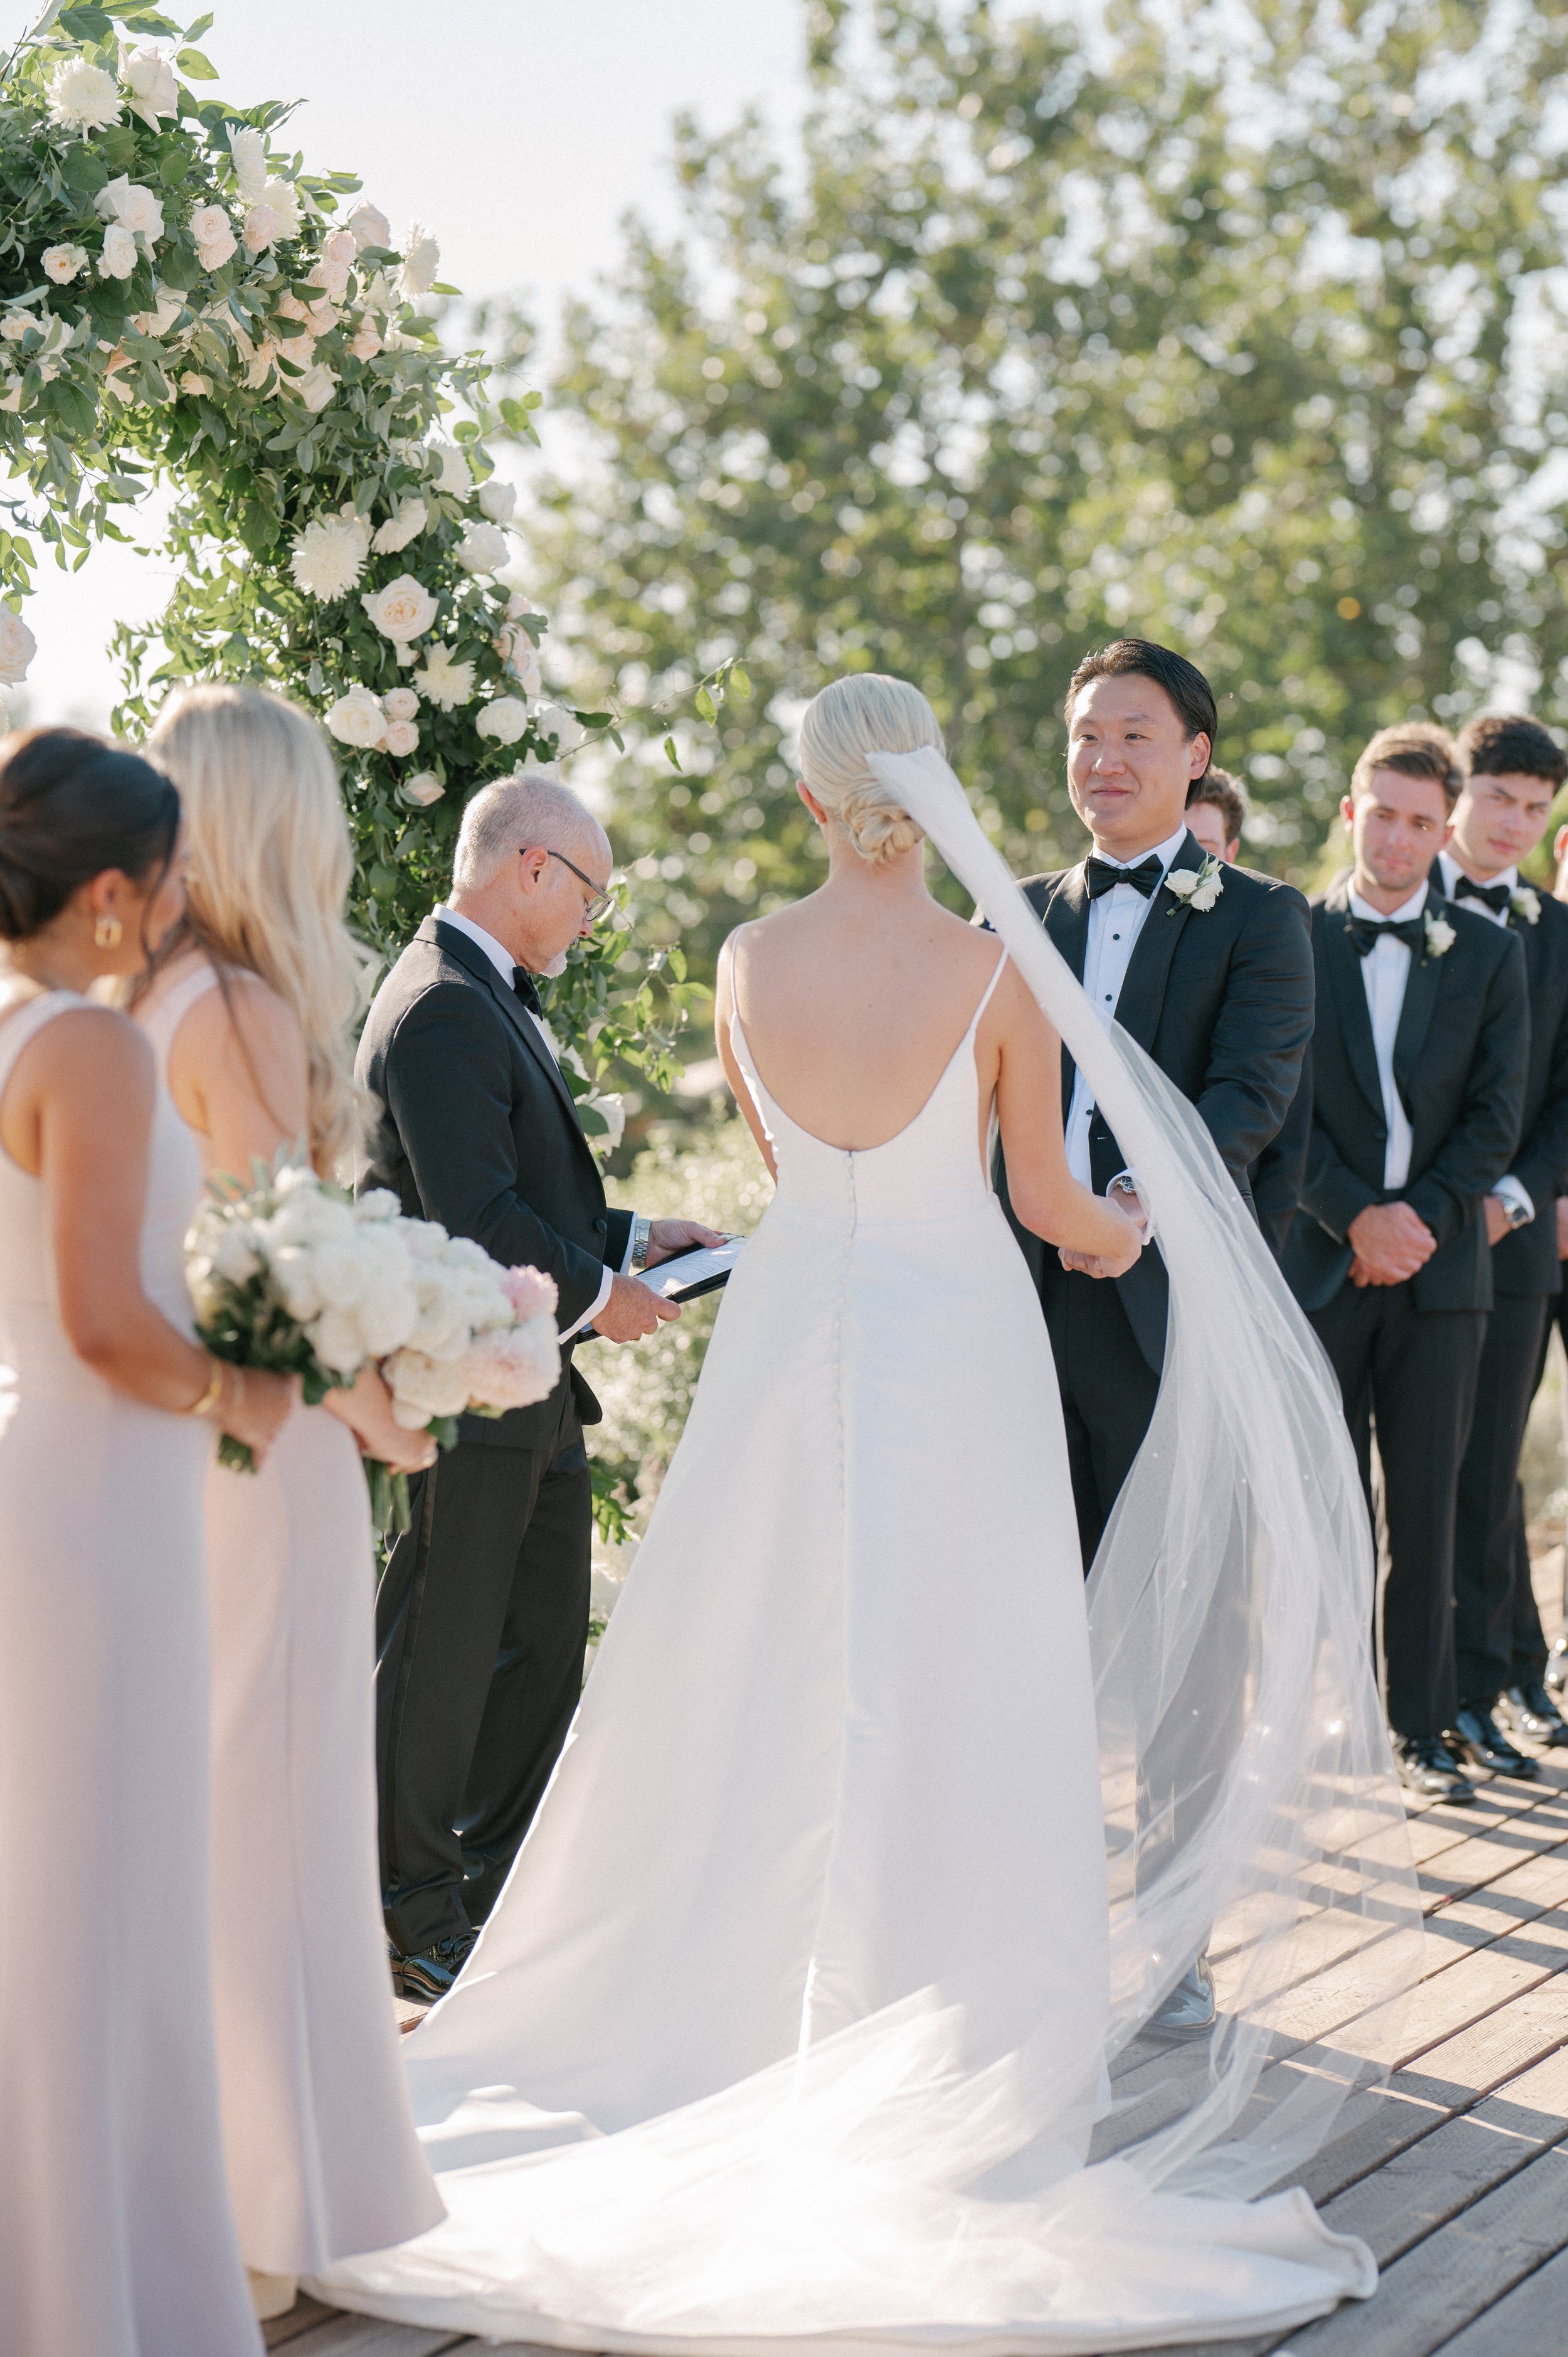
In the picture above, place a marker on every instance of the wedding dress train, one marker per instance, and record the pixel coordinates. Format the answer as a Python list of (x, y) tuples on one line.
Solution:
[(792, 2023)]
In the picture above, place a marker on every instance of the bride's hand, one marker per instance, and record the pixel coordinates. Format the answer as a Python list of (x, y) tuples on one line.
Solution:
[(1115, 1262), (253, 1407), (366, 1408)]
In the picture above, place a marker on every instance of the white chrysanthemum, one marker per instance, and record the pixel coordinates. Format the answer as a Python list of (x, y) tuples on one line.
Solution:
[(482, 549), (18, 647), (497, 499), (453, 477), (330, 555), (148, 76), (281, 198), (421, 261), (358, 719), (84, 98), (403, 609), (406, 525), (503, 720), (445, 682), (248, 151)]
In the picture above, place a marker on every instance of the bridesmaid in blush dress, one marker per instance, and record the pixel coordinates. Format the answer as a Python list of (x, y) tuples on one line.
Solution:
[(248, 1008), (115, 2235)]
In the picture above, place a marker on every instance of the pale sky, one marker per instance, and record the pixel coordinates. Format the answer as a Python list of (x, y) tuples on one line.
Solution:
[(518, 132)]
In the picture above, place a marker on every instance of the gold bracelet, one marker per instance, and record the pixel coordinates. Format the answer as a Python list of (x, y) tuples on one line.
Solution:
[(212, 1394)]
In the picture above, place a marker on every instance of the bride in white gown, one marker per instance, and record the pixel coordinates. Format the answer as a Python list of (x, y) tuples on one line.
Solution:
[(795, 2018)]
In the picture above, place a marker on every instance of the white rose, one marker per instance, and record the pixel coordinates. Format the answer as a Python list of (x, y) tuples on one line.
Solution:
[(555, 722), (445, 682), (148, 76), (64, 262), (1440, 936), (248, 151), (118, 258), (365, 343), (236, 1259), (423, 789), (84, 98), (132, 206), (368, 225), (409, 521), (315, 388), (162, 318), (214, 233), (330, 556), (400, 704), (403, 735), (421, 261), (358, 719), (15, 325), (1207, 892), (611, 1110), (191, 381), (498, 500), (421, 1389), (502, 720), (263, 228), (482, 549), (405, 609), (18, 647), (380, 1203), (454, 478), (1525, 903), (523, 660), (335, 1338)]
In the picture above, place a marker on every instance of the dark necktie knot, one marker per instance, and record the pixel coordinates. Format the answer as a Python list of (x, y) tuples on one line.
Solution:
[(1146, 878), (1367, 931), (1495, 896), (522, 983)]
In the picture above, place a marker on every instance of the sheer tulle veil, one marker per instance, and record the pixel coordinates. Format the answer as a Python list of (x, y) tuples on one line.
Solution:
[(1250, 1798)]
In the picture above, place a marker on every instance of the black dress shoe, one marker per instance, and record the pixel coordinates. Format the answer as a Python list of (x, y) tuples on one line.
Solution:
[(1475, 1735), (1555, 1679), (1532, 1711), (1190, 2011), (421, 1978), (1426, 1766)]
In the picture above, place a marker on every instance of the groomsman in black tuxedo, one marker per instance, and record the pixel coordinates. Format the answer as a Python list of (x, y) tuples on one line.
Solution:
[(482, 1616), (1217, 986), (1417, 1074), (1513, 768)]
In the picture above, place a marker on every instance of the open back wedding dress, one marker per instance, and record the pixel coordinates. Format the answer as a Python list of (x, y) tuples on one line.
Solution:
[(810, 2013)]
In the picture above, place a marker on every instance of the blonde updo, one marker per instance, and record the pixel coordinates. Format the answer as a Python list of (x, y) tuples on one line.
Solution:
[(865, 713)]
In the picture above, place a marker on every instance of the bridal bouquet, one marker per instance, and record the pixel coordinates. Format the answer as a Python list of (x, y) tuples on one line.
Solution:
[(298, 1277)]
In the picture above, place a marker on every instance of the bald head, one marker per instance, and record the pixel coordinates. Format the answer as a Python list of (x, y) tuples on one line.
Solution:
[(533, 808)]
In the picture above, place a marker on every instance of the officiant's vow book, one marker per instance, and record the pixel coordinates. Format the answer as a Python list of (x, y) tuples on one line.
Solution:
[(702, 1270)]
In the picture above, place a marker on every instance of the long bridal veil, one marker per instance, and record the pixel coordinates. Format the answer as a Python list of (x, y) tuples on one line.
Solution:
[(1250, 1798)]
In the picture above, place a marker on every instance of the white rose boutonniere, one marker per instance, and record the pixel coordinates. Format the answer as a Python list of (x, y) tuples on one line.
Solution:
[(1440, 936), (1198, 887), (1525, 903)]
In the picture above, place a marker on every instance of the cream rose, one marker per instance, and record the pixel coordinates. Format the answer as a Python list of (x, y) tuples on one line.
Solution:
[(132, 206), (118, 258), (423, 789), (497, 499), (503, 720), (18, 647), (149, 78), (315, 388), (368, 225), (482, 549), (405, 609), (453, 477), (403, 735), (64, 262), (263, 228), (365, 342), (358, 719), (400, 704), (214, 233)]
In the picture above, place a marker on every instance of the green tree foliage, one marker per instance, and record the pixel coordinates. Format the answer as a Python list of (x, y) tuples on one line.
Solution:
[(1239, 330)]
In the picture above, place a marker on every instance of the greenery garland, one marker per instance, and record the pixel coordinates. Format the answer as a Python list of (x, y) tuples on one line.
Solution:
[(181, 302)]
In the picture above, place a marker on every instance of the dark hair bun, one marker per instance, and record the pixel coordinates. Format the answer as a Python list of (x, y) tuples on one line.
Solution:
[(72, 806)]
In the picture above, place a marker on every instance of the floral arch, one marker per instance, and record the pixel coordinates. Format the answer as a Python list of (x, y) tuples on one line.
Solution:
[(182, 302)]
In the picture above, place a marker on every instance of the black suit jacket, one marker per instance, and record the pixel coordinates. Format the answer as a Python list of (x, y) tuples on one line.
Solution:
[(477, 1128), (1222, 1001), (1526, 1261), (1460, 1061)]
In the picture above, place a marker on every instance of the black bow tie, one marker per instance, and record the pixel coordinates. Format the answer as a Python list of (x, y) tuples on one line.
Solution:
[(1495, 896), (522, 983), (1146, 878), (1367, 931)]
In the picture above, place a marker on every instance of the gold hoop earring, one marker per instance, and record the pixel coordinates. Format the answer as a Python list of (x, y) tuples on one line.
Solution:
[(107, 933)]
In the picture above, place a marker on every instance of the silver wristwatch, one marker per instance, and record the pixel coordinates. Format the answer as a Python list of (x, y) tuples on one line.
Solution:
[(637, 1259), (1514, 1211)]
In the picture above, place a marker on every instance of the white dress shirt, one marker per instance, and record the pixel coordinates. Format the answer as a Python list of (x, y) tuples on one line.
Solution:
[(1115, 920), (505, 965), (1509, 1190), (1385, 970)]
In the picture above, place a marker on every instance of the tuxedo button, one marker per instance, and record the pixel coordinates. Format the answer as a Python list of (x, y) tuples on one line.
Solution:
[(602, 1225)]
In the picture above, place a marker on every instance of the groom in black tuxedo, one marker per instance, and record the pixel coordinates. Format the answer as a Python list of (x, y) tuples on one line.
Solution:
[(1216, 987), (482, 1616), (1512, 772), (1417, 1074)]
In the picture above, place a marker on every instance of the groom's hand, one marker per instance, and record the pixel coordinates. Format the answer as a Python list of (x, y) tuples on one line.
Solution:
[(633, 1310), (666, 1238)]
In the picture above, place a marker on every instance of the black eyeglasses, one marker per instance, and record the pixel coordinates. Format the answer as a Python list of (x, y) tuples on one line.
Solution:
[(599, 900)]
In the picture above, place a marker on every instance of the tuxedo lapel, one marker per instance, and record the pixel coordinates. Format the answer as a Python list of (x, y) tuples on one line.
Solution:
[(472, 959), (1067, 922), (1148, 969), (1344, 963), (1415, 1016)]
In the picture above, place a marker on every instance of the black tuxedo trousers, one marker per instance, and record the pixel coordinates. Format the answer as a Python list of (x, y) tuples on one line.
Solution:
[(1496, 1626), (1409, 1373), (481, 1629)]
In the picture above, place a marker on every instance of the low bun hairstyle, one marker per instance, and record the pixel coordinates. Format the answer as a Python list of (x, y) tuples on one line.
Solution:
[(71, 808), (865, 713)]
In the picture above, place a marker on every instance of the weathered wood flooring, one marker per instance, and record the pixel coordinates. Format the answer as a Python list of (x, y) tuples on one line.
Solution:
[(1456, 2171)]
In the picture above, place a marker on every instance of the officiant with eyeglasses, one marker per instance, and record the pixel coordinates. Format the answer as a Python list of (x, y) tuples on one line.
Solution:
[(482, 1616), (1417, 1076)]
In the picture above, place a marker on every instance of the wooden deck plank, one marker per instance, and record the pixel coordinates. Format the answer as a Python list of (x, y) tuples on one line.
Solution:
[(1530, 2322), (336, 2334)]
